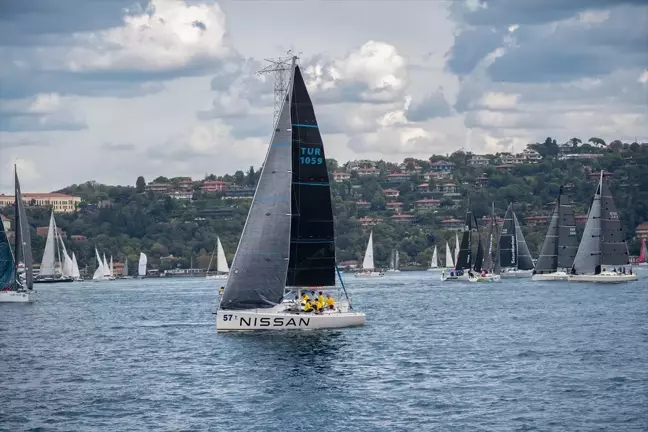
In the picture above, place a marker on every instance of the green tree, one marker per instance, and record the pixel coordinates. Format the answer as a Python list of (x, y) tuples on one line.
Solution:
[(598, 142), (575, 141), (140, 184)]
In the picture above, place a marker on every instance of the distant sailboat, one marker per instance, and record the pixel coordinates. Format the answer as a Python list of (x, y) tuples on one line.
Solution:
[(643, 254), (434, 262), (368, 267), (125, 270), (76, 274), (514, 256), (457, 247), (54, 268), (449, 260), (141, 268), (16, 271), (603, 253), (100, 273), (560, 243), (464, 263), (394, 262), (490, 271), (222, 270)]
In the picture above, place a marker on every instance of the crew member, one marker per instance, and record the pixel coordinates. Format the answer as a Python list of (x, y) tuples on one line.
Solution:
[(320, 297), (308, 307), (330, 303)]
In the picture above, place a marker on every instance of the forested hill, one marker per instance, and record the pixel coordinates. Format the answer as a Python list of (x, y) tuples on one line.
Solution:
[(409, 206)]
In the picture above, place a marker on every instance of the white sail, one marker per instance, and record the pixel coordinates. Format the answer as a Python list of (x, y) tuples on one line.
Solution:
[(112, 269), (221, 260), (48, 261), (449, 262), (435, 258), (106, 267), (368, 262), (396, 260), (141, 269), (99, 273), (457, 247), (68, 266), (75, 267)]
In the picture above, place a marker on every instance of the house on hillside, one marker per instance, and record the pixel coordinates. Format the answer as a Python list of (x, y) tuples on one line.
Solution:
[(398, 177), (339, 176), (642, 231), (427, 203), (452, 224), (442, 166), (478, 160), (403, 218), (391, 193)]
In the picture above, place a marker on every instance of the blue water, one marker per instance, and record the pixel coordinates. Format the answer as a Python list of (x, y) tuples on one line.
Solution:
[(144, 355)]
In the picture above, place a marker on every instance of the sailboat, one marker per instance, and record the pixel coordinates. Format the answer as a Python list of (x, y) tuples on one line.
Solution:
[(457, 248), (76, 274), (394, 262), (222, 270), (125, 270), (603, 244), (560, 243), (107, 268), (514, 256), (643, 254), (141, 268), (288, 241), (449, 261), (434, 262), (491, 270), (16, 270), (112, 269), (53, 267), (368, 268), (464, 262), (100, 273)]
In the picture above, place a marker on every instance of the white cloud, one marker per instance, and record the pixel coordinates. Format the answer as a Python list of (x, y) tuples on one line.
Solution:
[(170, 34)]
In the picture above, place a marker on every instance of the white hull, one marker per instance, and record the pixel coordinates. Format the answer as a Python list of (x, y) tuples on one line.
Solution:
[(368, 274), (434, 269), (487, 278), (14, 297), (217, 277), (603, 277), (393, 271), (278, 319), (513, 273), (445, 277), (555, 276)]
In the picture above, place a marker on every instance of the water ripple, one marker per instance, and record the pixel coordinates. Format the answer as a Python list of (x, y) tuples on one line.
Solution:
[(144, 355)]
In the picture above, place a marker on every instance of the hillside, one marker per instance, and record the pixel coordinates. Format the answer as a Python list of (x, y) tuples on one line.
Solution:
[(409, 206)]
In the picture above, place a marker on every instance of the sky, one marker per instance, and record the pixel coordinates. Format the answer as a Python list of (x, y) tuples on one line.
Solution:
[(108, 90)]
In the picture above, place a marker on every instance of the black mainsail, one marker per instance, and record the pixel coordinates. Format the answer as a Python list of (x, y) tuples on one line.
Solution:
[(603, 243), (513, 249), (464, 257), (288, 238), (312, 236), (23, 250), (561, 242)]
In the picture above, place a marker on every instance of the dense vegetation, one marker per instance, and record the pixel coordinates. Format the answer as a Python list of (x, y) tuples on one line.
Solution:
[(123, 221)]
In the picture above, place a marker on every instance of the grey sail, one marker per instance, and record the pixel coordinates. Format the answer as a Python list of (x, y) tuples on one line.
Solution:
[(588, 257), (23, 250), (548, 259), (614, 249), (258, 273), (524, 260), (507, 241), (567, 234), (561, 242)]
